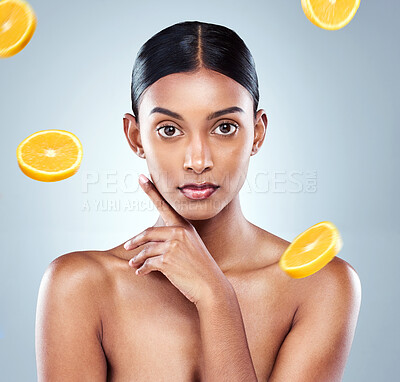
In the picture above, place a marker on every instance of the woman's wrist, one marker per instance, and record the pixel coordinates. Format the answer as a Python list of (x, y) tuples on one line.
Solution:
[(215, 295)]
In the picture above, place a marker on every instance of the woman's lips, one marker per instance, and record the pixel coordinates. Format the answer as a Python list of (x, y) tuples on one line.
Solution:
[(198, 193)]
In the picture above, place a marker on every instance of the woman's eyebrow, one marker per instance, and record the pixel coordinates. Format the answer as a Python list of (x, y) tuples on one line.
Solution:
[(216, 114)]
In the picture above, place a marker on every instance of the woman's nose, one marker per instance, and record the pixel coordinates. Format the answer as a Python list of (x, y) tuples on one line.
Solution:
[(198, 156)]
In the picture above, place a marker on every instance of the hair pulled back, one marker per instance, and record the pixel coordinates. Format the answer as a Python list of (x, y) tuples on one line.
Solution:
[(187, 47)]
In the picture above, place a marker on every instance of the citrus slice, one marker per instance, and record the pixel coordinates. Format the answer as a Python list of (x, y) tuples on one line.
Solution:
[(311, 250), (50, 155), (17, 25), (330, 14)]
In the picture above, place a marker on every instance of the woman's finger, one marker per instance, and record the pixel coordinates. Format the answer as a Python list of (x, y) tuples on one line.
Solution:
[(169, 215), (154, 263), (151, 250), (155, 234)]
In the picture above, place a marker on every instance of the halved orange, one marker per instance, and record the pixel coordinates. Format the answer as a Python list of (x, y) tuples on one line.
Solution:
[(17, 25), (50, 155), (330, 14), (311, 250)]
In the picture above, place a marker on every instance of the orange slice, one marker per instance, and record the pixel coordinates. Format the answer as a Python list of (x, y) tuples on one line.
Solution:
[(311, 250), (17, 25), (50, 155), (330, 14)]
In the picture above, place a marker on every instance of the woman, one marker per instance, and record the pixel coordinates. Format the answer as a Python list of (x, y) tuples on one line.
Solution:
[(208, 302)]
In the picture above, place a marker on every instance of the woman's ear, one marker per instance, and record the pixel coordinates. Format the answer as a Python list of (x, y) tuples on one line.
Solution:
[(132, 133), (260, 128)]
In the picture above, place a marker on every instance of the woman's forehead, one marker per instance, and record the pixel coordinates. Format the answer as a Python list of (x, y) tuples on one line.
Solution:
[(195, 91)]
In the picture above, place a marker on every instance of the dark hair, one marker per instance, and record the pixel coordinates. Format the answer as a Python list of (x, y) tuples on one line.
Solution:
[(186, 47)]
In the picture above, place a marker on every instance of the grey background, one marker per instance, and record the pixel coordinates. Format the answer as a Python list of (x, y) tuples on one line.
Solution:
[(331, 150)]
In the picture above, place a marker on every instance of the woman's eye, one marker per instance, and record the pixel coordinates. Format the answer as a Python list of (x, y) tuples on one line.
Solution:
[(227, 128), (168, 131)]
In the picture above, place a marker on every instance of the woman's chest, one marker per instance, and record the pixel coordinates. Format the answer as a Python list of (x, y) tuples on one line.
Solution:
[(153, 333)]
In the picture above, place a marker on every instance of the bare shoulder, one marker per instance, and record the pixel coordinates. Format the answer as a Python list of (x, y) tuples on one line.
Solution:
[(80, 276), (337, 282), (90, 274), (83, 276), (339, 275), (336, 285), (328, 304), (68, 328), (80, 268)]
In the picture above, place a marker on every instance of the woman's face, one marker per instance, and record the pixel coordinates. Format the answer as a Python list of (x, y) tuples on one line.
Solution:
[(186, 144)]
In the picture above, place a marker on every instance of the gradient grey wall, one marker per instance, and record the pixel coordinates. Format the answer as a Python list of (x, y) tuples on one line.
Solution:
[(331, 150)]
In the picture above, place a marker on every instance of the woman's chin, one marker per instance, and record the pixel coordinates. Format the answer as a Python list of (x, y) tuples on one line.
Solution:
[(197, 213)]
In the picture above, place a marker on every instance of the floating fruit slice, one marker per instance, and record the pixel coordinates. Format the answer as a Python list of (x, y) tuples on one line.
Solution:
[(50, 155), (17, 25), (311, 250), (330, 14)]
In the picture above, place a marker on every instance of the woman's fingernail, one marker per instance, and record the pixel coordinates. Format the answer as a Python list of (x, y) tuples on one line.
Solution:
[(126, 245), (143, 179)]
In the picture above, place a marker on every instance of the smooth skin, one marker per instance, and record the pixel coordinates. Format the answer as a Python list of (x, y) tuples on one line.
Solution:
[(211, 303)]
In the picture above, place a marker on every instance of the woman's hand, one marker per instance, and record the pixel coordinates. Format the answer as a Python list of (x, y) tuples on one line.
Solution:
[(177, 251)]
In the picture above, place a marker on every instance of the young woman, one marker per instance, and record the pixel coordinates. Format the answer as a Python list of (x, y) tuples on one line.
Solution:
[(209, 302)]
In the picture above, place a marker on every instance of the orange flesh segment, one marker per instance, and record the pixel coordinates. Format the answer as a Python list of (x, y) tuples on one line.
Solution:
[(45, 153), (332, 12)]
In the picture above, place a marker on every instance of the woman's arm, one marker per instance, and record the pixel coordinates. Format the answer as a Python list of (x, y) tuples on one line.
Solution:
[(68, 324), (317, 347), (224, 343)]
